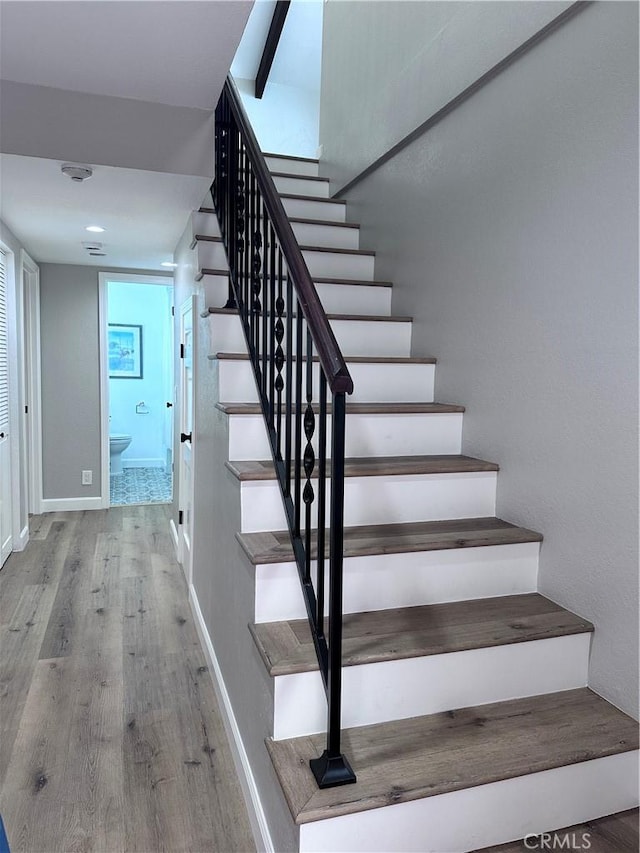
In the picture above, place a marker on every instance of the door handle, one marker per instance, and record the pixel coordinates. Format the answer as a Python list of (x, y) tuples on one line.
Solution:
[(3, 435), (185, 436), (169, 405)]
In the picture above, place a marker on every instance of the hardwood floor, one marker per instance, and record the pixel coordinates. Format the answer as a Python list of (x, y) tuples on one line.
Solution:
[(110, 734)]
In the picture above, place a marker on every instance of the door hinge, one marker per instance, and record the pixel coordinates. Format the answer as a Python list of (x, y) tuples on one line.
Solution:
[(173, 311), (180, 517), (26, 410), (181, 350)]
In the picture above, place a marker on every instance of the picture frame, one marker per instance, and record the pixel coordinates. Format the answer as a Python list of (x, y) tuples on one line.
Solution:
[(124, 351)]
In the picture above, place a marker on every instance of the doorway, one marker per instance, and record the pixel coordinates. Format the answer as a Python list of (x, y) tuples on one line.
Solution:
[(137, 389)]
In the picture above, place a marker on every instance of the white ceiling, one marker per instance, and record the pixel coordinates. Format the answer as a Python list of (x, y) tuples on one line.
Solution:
[(175, 52), (144, 213), (167, 51)]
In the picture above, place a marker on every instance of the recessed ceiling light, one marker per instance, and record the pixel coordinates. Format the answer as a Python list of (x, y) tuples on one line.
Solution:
[(168, 264), (95, 229)]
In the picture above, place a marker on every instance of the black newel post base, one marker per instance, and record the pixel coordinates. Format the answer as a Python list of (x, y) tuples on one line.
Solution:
[(331, 772)]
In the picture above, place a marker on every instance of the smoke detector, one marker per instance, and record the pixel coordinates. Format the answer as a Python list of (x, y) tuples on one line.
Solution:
[(77, 173)]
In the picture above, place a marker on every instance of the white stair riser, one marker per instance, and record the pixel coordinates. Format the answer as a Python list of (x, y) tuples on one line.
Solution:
[(301, 186), (320, 264), (292, 167), (326, 211), (335, 265), (372, 382), (384, 581), (211, 256), (399, 689), (354, 337), (335, 298), (381, 500), (366, 435), (216, 288), (487, 814), (333, 236), (354, 298), (204, 223)]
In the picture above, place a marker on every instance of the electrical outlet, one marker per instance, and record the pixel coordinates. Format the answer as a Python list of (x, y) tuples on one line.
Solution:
[(87, 478)]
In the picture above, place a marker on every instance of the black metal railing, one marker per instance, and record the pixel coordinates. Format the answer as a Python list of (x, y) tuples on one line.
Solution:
[(297, 363)]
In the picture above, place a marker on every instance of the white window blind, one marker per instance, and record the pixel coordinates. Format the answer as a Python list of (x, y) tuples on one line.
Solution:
[(4, 348)]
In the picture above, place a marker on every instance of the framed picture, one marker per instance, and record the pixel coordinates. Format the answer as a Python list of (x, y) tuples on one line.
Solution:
[(125, 351)]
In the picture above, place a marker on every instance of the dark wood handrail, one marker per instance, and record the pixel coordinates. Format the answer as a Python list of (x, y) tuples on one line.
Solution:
[(336, 371)]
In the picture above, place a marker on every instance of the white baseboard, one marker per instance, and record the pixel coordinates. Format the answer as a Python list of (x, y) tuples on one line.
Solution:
[(257, 816), (22, 540), (70, 504), (173, 530), (152, 462)]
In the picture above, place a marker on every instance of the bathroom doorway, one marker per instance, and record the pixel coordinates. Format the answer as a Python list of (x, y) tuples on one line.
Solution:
[(138, 388)]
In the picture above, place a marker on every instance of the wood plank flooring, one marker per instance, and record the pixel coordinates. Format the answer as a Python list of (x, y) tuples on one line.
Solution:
[(616, 833), (110, 734)]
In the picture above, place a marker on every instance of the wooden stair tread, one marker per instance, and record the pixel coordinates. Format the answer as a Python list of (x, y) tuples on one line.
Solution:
[(406, 760), (315, 178), (367, 318), (204, 238), (331, 251), (375, 466), (323, 222), (427, 629), (208, 271), (316, 279), (291, 157), (350, 359), (275, 546), (313, 198), (356, 408)]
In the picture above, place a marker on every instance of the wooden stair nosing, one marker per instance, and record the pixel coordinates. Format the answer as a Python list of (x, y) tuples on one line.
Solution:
[(357, 408), (291, 157), (420, 631), (420, 757), (328, 250), (268, 547), (208, 271), (366, 318), (315, 178), (323, 222), (350, 359), (312, 198), (375, 466), (204, 238)]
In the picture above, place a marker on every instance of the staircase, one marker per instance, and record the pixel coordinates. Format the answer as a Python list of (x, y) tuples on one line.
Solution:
[(467, 717)]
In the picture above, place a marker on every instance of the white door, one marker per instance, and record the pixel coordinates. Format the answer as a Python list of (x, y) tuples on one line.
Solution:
[(185, 502), (6, 541)]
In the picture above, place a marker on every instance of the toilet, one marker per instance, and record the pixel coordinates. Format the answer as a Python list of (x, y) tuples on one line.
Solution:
[(118, 443)]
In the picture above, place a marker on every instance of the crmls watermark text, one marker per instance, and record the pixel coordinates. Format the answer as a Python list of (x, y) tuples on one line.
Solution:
[(558, 841)]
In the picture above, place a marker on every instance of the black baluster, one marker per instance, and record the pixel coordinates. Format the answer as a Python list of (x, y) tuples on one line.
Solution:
[(322, 498), (265, 304), (278, 361), (298, 421), (309, 456), (288, 387), (332, 768), (272, 360)]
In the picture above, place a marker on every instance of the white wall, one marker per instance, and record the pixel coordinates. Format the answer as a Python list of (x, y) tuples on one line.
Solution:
[(147, 305), (388, 66), (15, 306), (510, 231), (285, 120)]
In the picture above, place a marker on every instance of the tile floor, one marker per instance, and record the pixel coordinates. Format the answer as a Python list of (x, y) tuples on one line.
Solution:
[(140, 486)]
